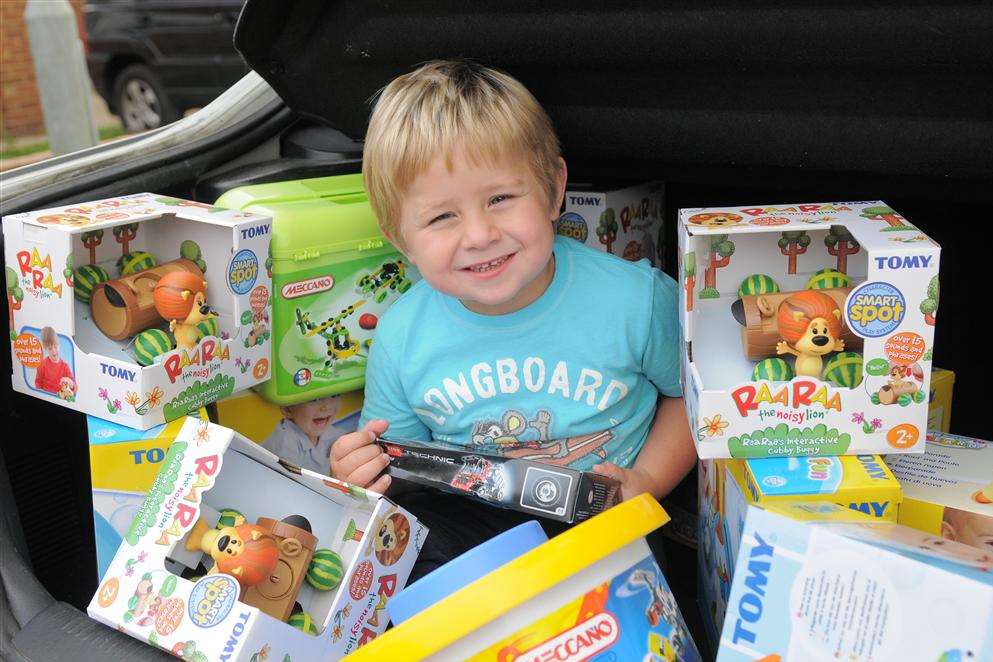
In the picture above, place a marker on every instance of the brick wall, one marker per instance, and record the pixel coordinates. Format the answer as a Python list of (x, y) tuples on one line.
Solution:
[(20, 108)]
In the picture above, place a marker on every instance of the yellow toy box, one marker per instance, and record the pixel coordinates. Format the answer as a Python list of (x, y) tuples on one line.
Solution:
[(123, 464), (948, 491), (939, 409), (728, 487)]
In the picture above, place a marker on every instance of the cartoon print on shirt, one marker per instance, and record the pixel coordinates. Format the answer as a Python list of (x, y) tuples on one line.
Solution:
[(511, 428), (506, 437)]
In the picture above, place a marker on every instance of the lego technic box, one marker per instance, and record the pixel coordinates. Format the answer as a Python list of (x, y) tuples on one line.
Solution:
[(551, 491)]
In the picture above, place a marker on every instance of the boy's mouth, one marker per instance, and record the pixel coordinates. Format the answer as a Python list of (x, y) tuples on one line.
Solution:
[(491, 266), (322, 421)]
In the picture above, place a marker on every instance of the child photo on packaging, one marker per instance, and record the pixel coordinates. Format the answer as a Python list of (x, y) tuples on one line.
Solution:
[(306, 432), (53, 375), (973, 529)]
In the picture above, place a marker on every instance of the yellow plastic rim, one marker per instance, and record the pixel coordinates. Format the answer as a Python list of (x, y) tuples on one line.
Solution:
[(513, 584)]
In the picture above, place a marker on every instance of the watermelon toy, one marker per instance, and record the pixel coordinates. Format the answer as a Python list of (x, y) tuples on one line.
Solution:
[(209, 327), (302, 621), (132, 263), (151, 343), (230, 517), (828, 278), (87, 278), (326, 570), (844, 370), (757, 284), (773, 370)]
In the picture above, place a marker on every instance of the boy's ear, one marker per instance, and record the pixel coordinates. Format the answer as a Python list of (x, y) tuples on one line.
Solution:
[(947, 531), (286, 412), (561, 177)]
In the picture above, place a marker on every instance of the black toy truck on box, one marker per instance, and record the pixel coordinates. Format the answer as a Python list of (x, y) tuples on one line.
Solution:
[(551, 491)]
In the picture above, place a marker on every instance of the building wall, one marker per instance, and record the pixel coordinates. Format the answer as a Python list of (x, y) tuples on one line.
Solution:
[(20, 107)]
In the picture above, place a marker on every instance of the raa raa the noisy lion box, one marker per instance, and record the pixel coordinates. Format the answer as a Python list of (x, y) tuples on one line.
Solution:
[(138, 309), (807, 329), (237, 555)]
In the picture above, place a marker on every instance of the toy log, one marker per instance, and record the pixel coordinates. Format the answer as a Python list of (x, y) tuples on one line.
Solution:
[(760, 332), (124, 307), (277, 594), (889, 393)]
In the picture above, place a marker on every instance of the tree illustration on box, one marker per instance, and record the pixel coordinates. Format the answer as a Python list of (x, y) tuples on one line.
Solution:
[(124, 235), (689, 271), (352, 532), (893, 220), (606, 229), (67, 272), (721, 250), (15, 295), (792, 244), (91, 240), (930, 305), (840, 243)]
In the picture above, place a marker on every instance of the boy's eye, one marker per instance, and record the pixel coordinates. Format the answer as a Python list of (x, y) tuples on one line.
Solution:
[(440, 217), (497, 199)]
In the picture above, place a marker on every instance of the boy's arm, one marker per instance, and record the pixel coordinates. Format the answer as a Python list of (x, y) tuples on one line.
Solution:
[(664, 460)]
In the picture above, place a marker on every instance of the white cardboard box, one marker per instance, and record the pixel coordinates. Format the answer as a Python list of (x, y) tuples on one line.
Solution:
[(626, 222), (44, 251), (208, 469), (820, 583), (887, 314)]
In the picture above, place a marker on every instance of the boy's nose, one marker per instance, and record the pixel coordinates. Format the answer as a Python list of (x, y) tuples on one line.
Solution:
[(479, 230)]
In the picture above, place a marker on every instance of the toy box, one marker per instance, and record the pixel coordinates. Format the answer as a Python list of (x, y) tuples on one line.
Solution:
[(594, 592), (624, 221), (939, 411), (808, 329), (123, 465), (551, 491), (728, 487), (948, 491), (334, 274), (301, 566), (90, 286), (819, 582)]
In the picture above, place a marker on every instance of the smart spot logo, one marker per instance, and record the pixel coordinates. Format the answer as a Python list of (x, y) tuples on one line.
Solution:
[(211, 600), (874, 310), (571, 224), (243, 271)]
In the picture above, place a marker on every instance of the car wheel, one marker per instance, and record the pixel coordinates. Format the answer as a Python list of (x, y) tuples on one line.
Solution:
[(141, 101)]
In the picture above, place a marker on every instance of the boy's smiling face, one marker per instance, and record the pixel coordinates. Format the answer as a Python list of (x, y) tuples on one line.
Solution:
[(481, 232), (53, 351), (313, 417)]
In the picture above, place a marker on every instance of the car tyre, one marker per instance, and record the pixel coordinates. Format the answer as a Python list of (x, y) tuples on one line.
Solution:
[(141, 101)]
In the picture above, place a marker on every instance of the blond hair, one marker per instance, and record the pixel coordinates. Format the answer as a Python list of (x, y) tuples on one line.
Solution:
[(48, 336), (440, 108)]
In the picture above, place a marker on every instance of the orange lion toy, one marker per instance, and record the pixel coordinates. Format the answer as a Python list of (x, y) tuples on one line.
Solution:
[(181, 298), (245, 551), (810, 321)]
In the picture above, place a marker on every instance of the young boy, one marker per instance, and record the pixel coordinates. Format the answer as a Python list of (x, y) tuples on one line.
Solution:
[(305, 434), (515, 338), (52, 371)]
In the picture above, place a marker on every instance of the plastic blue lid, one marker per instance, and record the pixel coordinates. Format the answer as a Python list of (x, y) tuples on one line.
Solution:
[(465, 569)]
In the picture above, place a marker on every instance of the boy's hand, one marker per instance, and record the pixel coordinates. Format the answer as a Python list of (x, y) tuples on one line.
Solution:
[(633, 481), (356, 458)]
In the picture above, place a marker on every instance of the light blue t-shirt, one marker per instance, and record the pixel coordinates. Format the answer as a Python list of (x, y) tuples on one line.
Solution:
[(571, 379)]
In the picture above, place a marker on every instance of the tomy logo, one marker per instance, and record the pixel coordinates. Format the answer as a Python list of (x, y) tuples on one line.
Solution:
[(120, 373), (582, 200), (756, 579), (904, 262), (257, 231)]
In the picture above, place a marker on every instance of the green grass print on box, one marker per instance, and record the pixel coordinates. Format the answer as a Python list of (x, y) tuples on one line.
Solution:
[(333, 276)]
